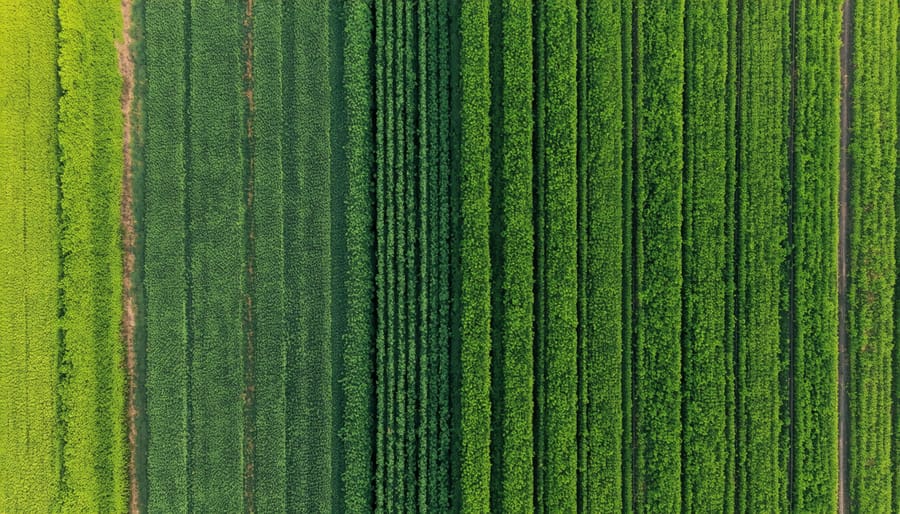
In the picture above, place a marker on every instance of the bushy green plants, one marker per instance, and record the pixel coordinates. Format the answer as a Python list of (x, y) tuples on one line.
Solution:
[(164, 288), (475, 262), (92, 387), (705, 445), (814, 200), (658, 267), (600, 139), (29, 257), (513, 247), (555, 35), (761, 290), (873, 159)]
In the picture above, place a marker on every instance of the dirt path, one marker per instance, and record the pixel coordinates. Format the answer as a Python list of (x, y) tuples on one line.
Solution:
[(843, 245), (129, 240), (249, 395)]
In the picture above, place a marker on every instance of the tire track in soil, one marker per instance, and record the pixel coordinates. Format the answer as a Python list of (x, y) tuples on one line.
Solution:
[(129, 242), (249, 396), (843, 257), (792, 255)]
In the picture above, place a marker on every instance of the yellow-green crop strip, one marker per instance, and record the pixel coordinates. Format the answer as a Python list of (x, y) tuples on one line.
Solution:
[(29, 259), (90, 142)]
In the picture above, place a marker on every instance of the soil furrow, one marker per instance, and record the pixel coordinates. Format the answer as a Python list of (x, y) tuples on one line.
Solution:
[(129, 239), (843, 257)]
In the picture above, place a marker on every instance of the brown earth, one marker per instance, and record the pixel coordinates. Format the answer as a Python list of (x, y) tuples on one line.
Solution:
[(249, 379), (843, 245), (129, 240)]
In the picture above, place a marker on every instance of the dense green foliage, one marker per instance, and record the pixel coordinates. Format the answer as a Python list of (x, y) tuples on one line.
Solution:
[(629, 221), (164, 287), (475, 272), (558, 375), (215, 244), (29, 257), (357, 386), (511, 258), (730, 272), (873, 154), (449, 256), (761, 290), (600, 136), (658, 107), (264, 258), (703, 355), (815, 183), (308, 257), (92, 387)]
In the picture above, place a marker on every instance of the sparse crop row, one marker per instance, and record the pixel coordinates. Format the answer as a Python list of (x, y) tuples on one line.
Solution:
[(872, 266), (92, 388), (29, 257), (814, 197)]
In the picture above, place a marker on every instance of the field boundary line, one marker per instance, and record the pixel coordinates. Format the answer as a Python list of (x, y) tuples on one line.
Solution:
[(843, 258), (126, 64), (249, 143)]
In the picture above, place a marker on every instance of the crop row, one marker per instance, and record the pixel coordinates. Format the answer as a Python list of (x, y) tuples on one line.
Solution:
[(164, 288), (706, 443), (309, 259), (512, 251), (264, 270), (658, 266), (92, 383), (29, 257), (872, 266), (601, 215), (761, 287), (814, 221)]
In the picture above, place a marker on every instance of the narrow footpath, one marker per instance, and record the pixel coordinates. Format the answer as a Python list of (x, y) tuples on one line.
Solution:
[(843, 257)]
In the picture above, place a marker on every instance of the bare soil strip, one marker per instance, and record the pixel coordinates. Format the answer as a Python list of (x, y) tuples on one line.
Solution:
[(792, 258), (129, 240), (249, 396), (843, 257)]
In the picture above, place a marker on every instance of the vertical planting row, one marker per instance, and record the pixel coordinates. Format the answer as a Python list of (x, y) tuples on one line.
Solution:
[(92, 387), (658, 266), (816, 156), (215, 249), (166, 33), (29, 255), (308, 258), (873, 161), (761, 212), (600, 161), (703, 369), (264, 254)]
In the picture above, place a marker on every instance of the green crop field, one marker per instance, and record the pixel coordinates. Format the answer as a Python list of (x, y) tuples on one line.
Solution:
[(478, 256)]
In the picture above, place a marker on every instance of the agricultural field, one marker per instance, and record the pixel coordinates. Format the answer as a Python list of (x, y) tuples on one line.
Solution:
[(449, 256)]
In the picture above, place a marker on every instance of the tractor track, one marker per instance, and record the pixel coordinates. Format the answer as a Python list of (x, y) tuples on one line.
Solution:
[(843, 258)]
